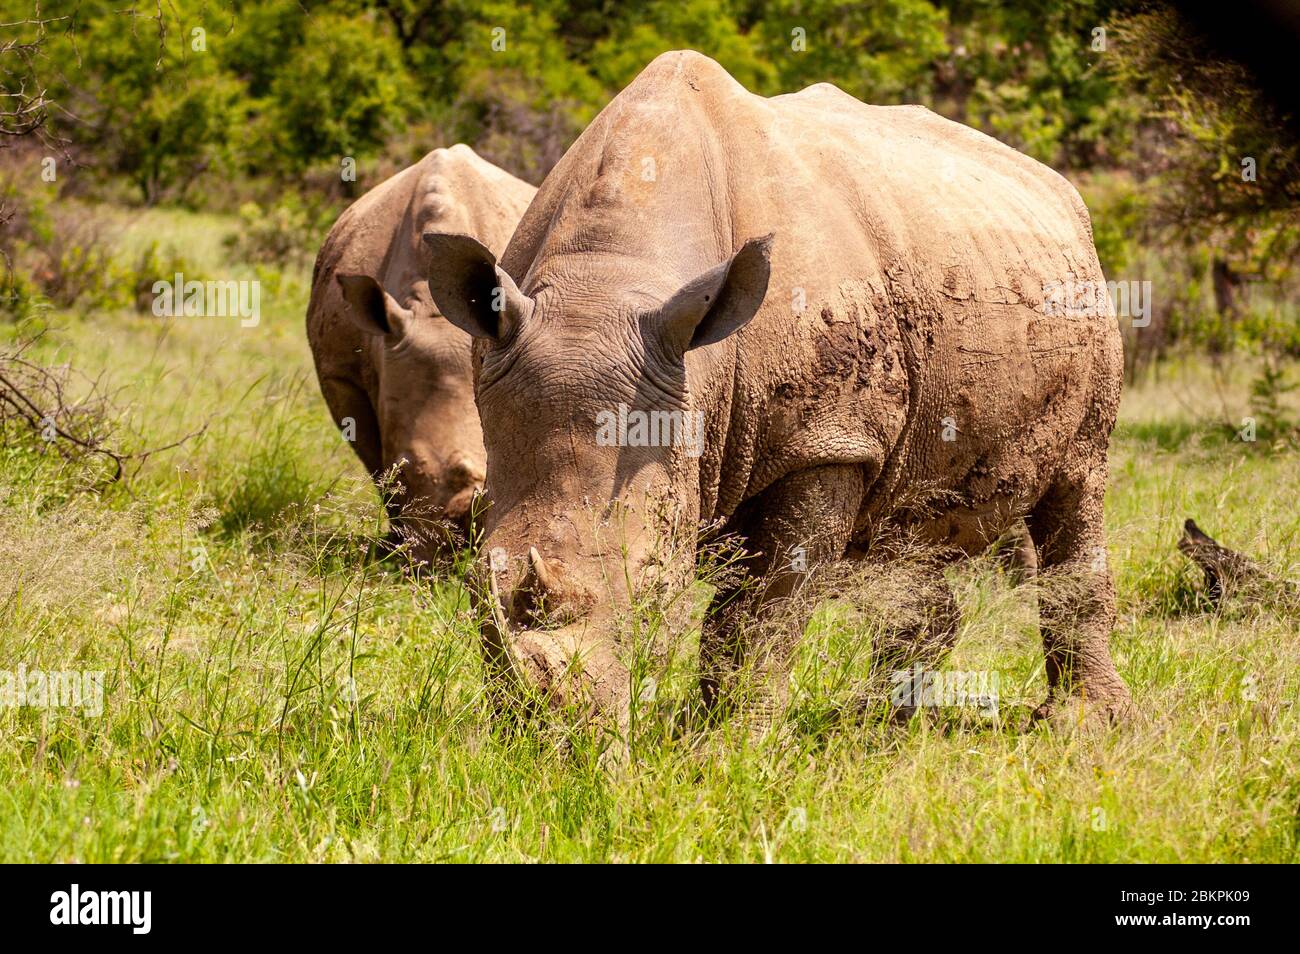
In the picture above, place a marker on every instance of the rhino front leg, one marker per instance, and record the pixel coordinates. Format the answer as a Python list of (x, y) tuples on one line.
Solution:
[(353, 414), (803, 520), (1077, 596)]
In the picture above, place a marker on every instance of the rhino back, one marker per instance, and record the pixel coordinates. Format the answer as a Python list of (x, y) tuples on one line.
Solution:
[(909, 268)]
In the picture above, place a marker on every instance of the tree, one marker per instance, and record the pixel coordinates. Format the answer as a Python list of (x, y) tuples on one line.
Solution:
[(339, 93), (146, 95), (879, 52)]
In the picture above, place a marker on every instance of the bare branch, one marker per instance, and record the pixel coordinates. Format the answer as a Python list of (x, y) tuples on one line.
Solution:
[(39, 398)]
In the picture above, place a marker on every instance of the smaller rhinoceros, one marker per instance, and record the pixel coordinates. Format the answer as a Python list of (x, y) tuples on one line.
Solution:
[(396, 376)]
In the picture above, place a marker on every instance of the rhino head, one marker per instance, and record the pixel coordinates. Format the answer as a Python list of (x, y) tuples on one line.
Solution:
[(428, 428), (594, 447)]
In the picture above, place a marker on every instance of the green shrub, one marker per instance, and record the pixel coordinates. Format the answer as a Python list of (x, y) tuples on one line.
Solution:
[(284, 235), (154, 105), (155, 263), (339, 93)]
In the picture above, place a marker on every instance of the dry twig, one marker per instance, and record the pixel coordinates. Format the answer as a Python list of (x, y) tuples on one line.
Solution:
[(40, 399)]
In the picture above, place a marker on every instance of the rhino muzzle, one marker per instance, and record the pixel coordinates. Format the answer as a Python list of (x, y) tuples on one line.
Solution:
[(544, 646)]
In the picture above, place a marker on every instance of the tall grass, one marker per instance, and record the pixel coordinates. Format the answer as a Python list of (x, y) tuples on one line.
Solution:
[(273, 693)]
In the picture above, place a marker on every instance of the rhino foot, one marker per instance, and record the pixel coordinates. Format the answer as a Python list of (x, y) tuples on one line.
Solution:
[(1100, 708)]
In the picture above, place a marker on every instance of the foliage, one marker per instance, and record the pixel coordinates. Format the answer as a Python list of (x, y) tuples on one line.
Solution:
[(339, 93), (150, 102), (285, 234), (222, 103)]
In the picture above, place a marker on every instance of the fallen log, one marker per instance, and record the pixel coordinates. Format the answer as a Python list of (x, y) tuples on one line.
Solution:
[(1226, 571)]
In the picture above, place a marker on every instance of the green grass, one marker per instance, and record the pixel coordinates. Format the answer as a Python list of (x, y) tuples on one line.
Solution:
[(270, 694)]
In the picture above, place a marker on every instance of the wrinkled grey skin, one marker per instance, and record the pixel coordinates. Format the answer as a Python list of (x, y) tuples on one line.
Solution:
[(390, 368), (839, 288)]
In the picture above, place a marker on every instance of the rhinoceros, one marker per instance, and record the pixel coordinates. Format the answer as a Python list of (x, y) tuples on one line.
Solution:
[(831, 319), (396, 377)]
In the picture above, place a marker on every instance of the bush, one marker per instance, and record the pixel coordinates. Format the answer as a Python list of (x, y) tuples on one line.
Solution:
[(64, 255), (59, 254), (154, 264), (340, 93), (20, 298), (285, 235), (151, 104)]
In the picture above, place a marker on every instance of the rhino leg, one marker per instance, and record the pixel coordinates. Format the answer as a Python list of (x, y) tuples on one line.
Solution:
[(1017, 554), (347, 402), (928, 630), (1077, 596), (803, 520)]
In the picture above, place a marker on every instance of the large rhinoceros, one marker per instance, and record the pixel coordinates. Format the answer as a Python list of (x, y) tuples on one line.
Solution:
[(396, 377), (808, 318)]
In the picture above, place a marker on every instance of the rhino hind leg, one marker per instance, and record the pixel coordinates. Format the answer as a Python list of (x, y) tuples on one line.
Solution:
[(924, 634), (1077, 597), (803, 520), (1017, 555)]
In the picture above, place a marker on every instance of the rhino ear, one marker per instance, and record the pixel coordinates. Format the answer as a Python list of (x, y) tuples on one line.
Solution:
[(371, 308), (718, 303), (470, 290)]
